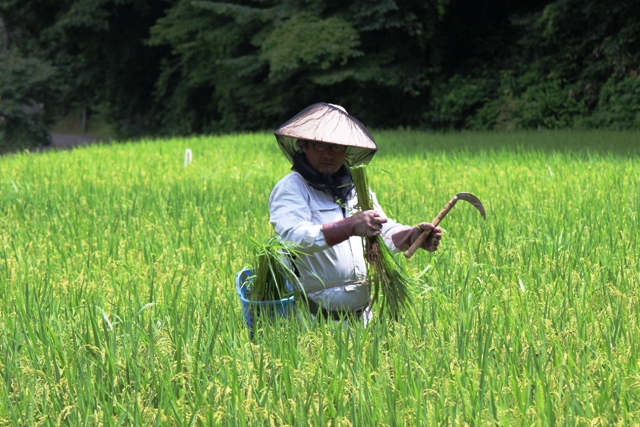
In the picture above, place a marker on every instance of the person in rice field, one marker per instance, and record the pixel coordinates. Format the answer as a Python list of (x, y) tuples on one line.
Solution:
[(314, 208)]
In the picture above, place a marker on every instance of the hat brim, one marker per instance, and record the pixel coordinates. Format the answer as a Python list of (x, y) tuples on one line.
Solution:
[(330, 124)]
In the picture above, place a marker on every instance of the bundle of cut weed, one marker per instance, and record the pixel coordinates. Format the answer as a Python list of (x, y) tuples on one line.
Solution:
[(384, 273), (274, 278)]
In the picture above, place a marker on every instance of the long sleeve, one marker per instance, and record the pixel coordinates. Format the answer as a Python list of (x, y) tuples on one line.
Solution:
[(293, 217)]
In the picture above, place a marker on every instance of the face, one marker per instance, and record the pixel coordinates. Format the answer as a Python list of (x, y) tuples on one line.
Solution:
[(324, 158)]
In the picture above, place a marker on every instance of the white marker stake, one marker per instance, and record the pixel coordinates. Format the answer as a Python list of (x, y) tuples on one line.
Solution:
[(187, 157)]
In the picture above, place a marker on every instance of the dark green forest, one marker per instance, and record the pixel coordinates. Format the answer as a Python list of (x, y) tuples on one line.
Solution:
[(182, 67)]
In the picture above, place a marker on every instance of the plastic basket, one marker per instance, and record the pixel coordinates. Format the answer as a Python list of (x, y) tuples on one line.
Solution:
[(251, 309)]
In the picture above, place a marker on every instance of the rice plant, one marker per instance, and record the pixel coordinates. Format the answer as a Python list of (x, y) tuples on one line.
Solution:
[(118, 307)]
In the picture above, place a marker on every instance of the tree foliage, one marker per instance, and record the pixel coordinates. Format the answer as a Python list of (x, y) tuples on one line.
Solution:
[(24, 84), (251, 64), (184, 66), (97, 49), (569, 66)]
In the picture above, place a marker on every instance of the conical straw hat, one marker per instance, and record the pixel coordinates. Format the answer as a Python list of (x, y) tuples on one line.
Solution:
[(330, 124)]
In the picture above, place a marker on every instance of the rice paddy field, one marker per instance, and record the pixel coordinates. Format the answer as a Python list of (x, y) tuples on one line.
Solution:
[(118, 304)]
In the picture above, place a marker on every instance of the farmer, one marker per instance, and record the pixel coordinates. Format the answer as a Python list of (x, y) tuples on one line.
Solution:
[(314, 208)]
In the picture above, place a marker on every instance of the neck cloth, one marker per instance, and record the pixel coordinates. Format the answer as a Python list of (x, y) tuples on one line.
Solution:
[(339, 185)]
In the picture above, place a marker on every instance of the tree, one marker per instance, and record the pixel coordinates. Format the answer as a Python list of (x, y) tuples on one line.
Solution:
[(250, 65), (98, 50), (99, 46), (184, 66), (26, 84), (560, 64)]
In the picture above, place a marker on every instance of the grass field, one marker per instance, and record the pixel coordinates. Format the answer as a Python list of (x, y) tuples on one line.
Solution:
[(118, 305)]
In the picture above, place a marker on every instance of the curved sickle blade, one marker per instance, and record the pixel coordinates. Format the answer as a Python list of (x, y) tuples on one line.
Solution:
[(468, 197)]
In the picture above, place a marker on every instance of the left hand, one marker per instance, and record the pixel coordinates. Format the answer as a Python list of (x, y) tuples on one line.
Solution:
[(404, 238)]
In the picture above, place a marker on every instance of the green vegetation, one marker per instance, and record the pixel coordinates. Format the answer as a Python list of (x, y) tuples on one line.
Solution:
[(24, 84), (273, 271), (187, 67), (384, 273), (118, 305)]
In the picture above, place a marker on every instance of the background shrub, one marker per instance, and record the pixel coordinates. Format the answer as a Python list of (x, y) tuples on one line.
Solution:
[(25, 84)]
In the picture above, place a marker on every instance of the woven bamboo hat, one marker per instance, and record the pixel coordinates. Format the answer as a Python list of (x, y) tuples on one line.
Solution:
[(331, 124)]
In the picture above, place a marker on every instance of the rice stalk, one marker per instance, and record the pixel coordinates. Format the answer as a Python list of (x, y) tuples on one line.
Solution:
[(384, 273)]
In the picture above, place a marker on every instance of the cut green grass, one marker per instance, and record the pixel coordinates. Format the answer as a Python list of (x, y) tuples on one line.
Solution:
[(384, 274)]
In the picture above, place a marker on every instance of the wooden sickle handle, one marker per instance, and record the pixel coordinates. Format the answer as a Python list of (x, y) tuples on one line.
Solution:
[(424, 235)]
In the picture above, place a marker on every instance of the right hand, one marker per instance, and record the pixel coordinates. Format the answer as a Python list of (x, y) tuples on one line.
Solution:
[(404, 238), (364, 224), (367, 223)]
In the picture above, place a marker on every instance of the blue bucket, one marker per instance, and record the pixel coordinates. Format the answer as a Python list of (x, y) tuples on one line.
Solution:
[(250, 309)]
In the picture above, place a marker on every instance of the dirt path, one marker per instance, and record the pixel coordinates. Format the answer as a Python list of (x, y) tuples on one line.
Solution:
[(60, 140)]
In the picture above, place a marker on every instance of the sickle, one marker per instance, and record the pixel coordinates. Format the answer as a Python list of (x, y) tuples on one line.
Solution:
[(467, 197)]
